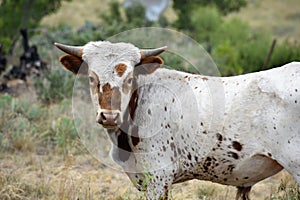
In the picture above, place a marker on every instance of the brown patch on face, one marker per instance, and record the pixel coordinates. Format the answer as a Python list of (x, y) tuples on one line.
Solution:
[(110, 98), (120, 69)]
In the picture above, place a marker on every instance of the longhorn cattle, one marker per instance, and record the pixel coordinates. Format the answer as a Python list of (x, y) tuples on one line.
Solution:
[(168, 126)]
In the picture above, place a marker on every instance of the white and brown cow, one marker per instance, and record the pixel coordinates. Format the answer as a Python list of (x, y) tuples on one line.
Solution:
[(177, 126)]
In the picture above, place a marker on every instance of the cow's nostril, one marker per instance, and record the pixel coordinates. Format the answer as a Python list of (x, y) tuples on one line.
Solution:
[(103, 116)]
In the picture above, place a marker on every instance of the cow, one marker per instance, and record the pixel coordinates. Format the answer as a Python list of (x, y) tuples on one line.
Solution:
[(168, 126)]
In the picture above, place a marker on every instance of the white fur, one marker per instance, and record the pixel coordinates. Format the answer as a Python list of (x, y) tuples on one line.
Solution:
[(103, 56)]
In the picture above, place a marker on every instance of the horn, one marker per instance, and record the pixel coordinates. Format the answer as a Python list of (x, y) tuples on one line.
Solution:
[(152, 52), (73, 50)]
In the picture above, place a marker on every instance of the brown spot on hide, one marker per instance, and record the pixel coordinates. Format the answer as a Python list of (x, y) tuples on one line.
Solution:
[(204, 78), (219, 137), (269, 154), (233, 154), (120, 69), (237, 146)]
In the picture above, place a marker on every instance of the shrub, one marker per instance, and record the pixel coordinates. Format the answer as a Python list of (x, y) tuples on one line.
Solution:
[(64, 134), (56, 86), (284, 53), (227, 59), (206, 21), (19, 124)]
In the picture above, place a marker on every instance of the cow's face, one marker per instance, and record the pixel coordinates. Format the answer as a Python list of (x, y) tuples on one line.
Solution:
[(112, 70)]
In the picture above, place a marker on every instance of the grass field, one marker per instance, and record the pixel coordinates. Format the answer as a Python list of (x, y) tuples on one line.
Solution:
[(41, 158)]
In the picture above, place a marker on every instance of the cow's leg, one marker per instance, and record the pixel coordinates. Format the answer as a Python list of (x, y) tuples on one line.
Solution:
[(157, 192), (243, 193)]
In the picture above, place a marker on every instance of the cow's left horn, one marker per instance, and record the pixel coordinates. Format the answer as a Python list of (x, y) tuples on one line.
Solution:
[(152, 52), (73, 50)]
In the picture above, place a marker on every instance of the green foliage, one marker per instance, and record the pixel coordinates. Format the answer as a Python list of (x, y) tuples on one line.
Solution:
[(206, 21), (56, 86), (183, 8), (22, 14), (236, 48), (227, 58), (234, 30), (64, 134), (114, 22), (284, 53), (18, 123), (27, 126)]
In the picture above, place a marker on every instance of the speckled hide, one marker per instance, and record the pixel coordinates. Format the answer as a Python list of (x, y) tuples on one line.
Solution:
[(234, 130), (168, 126)]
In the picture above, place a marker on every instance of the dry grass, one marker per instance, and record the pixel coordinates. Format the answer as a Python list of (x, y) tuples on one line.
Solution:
[(31, 176), (75, 13)]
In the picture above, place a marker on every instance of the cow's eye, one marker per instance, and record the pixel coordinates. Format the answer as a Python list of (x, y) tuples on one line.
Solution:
[(129, 81), (92, 80)]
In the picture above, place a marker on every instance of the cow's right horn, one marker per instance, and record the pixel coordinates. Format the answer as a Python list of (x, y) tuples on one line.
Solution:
[(152, 52), (73, 50)]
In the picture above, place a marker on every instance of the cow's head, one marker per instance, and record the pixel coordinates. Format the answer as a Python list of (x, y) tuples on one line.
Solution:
[(112, 69)]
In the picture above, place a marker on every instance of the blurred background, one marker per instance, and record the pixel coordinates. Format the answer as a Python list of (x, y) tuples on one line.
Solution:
[(41, 156)]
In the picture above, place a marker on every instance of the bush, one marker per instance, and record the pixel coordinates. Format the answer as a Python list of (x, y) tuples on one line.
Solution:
[(285, 53), (227, 58), (206, 21), (56, 86), (64, 134), (19, 124)]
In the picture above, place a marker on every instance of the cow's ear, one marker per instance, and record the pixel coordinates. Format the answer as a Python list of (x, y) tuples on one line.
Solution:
[(74, 64), (148, 65)]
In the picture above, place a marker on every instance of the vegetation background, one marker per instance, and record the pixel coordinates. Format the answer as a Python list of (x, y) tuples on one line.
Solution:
[(41, 156)]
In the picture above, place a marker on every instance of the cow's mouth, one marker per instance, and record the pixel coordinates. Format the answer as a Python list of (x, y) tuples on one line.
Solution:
[(110, 126)]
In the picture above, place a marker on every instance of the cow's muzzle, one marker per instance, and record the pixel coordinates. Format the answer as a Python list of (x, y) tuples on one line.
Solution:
[(109, 118)]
